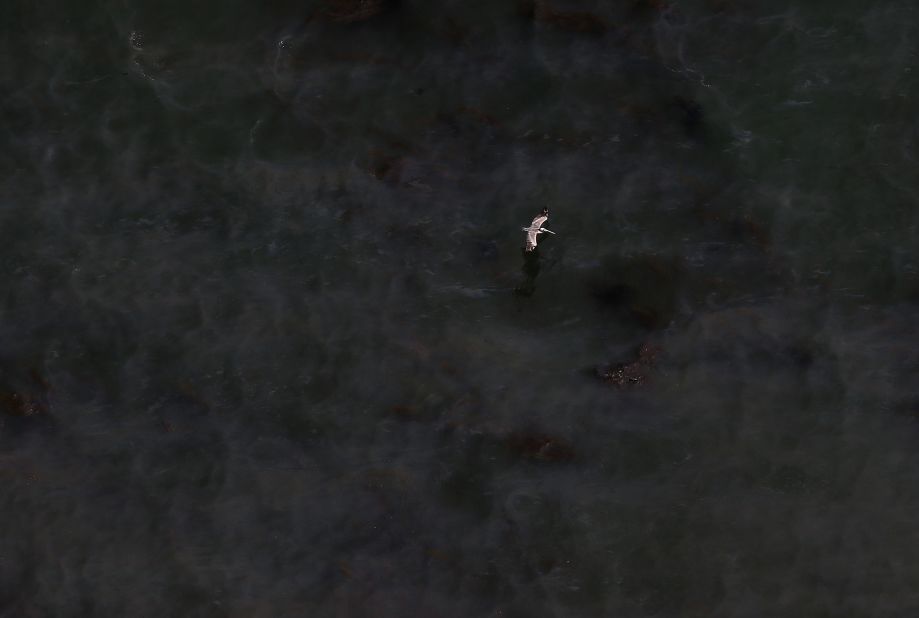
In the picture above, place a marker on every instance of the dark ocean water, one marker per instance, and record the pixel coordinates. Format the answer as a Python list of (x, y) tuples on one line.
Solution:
[(269, 345)]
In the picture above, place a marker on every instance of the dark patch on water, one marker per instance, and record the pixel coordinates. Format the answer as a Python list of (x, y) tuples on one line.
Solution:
[(644, 288)]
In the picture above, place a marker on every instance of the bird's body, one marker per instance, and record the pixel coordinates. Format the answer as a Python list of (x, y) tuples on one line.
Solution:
[(536, 229)]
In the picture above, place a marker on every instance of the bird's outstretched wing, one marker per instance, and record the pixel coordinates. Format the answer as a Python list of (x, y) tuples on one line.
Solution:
[(538, 221), (531, 238)]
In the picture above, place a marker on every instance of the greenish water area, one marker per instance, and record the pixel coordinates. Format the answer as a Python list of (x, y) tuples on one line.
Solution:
[(270, 345)]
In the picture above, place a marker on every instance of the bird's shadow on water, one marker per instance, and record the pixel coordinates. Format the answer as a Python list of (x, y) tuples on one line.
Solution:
[(530, 269), (533, 263)]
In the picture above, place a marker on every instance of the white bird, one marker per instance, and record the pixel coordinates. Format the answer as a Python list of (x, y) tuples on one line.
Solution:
[(536, 228)]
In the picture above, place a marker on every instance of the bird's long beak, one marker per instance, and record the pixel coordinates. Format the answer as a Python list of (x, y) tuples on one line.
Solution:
[(550, 232)]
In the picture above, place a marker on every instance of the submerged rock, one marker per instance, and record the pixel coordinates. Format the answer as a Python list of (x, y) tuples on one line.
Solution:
[(181, 407), (386, 167), (404, 412), (29, 400), (19, 404), (350, 11), (539, 446), (749, 230), (634, 373)]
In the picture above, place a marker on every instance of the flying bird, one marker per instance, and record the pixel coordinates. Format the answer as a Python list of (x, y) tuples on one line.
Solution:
[(536, 228)]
